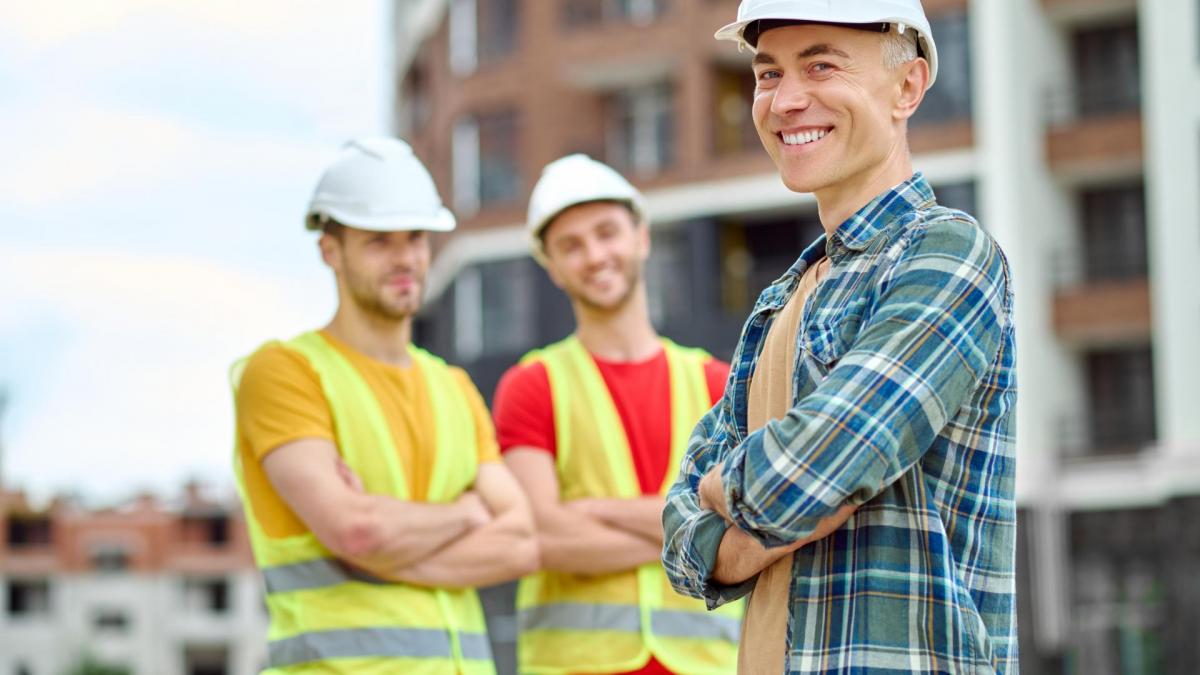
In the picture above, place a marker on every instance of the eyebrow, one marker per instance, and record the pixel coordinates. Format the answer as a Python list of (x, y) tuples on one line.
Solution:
[(821, 49)]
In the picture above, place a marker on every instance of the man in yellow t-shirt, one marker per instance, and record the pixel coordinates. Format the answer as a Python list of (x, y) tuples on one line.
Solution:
[(374, 494)]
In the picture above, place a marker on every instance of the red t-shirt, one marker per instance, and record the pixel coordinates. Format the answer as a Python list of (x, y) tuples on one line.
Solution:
[(641, 392)]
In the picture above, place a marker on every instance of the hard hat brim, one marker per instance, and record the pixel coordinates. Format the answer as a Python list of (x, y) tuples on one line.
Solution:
[(735, 32), (442, 221)]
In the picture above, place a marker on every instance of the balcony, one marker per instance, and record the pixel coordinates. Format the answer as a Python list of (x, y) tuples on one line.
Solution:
[(1079, 11), (1094, 134), (1104, 312), (1102, 289)]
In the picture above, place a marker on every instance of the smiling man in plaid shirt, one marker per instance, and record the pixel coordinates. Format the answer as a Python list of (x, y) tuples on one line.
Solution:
[(857, 477)]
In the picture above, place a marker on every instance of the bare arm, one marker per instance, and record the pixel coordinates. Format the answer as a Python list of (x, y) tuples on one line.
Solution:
[(377, 533), (502, 550), (569, 540), (641, 516)]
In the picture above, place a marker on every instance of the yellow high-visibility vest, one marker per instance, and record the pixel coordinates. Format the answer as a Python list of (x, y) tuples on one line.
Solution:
[(329, 618), (570, 623)]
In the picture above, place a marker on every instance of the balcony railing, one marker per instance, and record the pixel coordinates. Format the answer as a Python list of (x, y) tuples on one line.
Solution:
[(1067, 105)]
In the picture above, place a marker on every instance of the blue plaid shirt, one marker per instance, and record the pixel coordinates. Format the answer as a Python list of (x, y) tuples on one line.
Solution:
[(903, 403)]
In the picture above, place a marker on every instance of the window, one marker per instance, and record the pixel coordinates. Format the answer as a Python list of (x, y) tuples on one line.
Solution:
[(1120, 400), (205, 660), (959, 196), (1114, 233), (496, 309), (592, 12), (481, 30), (206, 596), (486, 167), (733, 125), (950, 98), (212, 529), (413, 103), (668, 276), (640, 129), (1119, 593), (755, 253), (464, 56), (497, 26), (29, 531), (110, 558), (1107, 70), (28, 597), (110, 621)]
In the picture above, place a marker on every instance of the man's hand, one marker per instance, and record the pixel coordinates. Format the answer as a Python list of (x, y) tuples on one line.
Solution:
[(475, 510), (712, 492)]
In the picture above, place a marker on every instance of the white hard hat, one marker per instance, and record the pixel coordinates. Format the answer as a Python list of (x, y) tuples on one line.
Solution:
[(378, 184), (897, 14), (573, 180)]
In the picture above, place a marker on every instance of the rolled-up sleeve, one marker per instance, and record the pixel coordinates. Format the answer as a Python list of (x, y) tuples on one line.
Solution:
[(691, 535), (935, 325)]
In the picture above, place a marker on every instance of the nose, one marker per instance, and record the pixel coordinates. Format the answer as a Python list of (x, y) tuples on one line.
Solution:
[(593, 252), (791, 95), (404, 253)]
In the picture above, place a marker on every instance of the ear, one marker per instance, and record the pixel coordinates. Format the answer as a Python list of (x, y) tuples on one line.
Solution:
[(330, 250), (911, 89), (644, 239)]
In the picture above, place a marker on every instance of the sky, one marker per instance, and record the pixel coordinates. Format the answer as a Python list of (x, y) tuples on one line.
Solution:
[(157, 159)]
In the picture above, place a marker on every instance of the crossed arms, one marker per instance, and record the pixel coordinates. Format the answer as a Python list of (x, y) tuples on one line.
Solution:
[(935, 328), (586, 536), (482, 538)]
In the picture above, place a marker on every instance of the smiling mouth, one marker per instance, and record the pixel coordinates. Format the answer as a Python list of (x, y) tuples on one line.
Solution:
[(804, 137)]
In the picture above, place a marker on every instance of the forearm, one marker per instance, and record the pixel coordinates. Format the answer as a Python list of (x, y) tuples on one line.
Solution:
[(741, 556), (384, 534), (500, 551), (578, 544), (641, 516)]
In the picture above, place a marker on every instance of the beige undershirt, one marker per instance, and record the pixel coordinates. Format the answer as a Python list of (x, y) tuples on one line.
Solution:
[(764, 628)]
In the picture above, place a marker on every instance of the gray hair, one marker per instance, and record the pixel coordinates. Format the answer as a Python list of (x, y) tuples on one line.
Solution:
[(899, 48)]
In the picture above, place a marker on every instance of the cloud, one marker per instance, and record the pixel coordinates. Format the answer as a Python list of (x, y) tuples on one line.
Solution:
[(135, 393)]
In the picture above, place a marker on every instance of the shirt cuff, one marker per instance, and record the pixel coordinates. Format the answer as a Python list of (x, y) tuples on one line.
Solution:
[(732, 480), (707, 534)]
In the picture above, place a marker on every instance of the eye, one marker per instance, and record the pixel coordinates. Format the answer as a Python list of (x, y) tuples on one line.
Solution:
[(821, 69), (767, 75)]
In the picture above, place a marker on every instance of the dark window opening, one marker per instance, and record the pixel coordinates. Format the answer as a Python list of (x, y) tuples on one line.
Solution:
[(28, 531), (111, 621), (28, 598), (1114, 233), (1107, 70), (499, 169), (950, 97), (733, 125), (1120, 400)]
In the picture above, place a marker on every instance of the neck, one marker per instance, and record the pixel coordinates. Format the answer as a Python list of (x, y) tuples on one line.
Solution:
[(621, 334), (836, 203), (385, 340)]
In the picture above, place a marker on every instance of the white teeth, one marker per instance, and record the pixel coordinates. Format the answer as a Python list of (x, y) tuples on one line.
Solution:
[(803, 137)]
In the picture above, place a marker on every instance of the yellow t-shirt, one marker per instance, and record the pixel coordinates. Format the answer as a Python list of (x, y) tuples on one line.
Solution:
[(280, 400)]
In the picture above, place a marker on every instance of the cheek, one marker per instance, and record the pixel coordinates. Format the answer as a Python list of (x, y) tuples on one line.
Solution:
[(760, 108)]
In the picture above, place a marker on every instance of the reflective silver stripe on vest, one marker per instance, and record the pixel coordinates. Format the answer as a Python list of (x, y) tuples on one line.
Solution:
[(313, 574), (664, 623), (475, 646), (580, 616), (418, 643), (695, 625)]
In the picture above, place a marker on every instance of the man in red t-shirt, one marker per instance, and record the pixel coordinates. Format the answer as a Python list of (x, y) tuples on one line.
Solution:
[(588, 230)]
